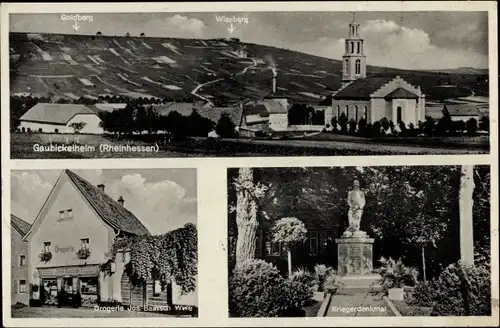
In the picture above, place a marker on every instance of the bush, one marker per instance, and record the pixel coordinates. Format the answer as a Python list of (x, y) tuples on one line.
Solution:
[(484, 123), (302, 275), (321, 272), (225, 127), (459, 290), (362, 126), (471, 126), (343, 122), (396, 275), (402, 127), (332, 282), (256, 289), (352, 126)]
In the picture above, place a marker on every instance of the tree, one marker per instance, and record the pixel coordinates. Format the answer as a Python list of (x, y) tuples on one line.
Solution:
[(466, 213), (334, 123), (471, 126), (142, 34), (343, 122), (248, 193), (169, 256), (225, 126), (352, 126), (127, 34), (289, 231), (77, 126), (484, 123)]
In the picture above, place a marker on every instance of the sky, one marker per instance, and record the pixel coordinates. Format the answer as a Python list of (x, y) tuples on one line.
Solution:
[(411, 40), (163, 199)]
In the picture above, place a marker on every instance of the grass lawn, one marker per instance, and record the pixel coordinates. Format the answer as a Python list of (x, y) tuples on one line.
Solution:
[(22, 147), (408, 310)]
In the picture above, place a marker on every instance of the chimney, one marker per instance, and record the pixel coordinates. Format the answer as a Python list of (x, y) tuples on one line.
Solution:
[(275, 77), (121, 200), (101, 187)]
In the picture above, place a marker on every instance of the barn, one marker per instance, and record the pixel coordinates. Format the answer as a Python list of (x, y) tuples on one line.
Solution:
[(60, 118)]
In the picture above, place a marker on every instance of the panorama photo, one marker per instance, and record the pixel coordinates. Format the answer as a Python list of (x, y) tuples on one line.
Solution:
[(89, 85)]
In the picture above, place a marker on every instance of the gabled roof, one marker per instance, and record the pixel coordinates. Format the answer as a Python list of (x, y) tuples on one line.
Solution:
[(401, 93), (112, 212), (20, 225), (274, 107), (256, 109), (214, 113), (362, 88), (57, 113)]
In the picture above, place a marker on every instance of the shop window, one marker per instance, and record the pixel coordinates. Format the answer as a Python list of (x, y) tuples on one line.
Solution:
[(88, 285), (46, 246), (85, 243), (22, 286), (22, 260)]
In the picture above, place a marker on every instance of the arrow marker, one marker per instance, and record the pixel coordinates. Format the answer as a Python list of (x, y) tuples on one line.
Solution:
[(231, 28), (76, 26)]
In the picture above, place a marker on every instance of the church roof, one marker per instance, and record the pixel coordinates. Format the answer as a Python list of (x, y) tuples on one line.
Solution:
[(256, 109), (20, 225), (362, 88), (274, 107), (112, 212), (401, 93)]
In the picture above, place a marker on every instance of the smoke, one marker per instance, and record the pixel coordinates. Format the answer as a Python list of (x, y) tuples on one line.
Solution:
[(272, 64)]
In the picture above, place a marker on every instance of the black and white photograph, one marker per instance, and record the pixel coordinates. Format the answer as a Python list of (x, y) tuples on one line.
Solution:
[(271, 83), (104, 243), (360, 241)]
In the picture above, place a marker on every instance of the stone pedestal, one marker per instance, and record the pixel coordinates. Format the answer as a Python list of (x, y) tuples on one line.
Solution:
[(355, 254)]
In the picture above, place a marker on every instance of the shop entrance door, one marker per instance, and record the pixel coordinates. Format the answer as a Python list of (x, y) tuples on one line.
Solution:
[(69, 292)]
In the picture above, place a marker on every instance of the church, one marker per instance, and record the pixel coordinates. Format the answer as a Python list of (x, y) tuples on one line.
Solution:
[(370, 97)]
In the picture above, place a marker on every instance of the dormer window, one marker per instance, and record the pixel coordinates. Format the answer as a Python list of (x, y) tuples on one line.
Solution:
[(69, 213), (61, 215), (46, 246)]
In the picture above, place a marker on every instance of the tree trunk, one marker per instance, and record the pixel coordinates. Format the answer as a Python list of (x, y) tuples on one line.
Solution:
[(289, 253), (246, 218), (423, 264), (466, 203)]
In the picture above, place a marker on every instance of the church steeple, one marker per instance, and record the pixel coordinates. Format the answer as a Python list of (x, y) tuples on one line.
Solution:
[(353, 60)]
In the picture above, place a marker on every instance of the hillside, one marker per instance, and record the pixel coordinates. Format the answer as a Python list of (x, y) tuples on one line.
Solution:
[(72, 66)]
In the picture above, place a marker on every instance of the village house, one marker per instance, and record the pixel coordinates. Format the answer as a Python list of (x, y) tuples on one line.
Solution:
[(58, 118), (70, 240), (19, 261)]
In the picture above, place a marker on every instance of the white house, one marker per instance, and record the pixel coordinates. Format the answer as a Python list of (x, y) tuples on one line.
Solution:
[(78, 216), (58, 118)]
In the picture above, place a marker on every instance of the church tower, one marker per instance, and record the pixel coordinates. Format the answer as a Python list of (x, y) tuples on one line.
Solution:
[(353, 61)]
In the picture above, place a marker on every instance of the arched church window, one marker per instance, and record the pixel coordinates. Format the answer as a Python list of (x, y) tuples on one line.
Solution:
[(356, 113), (399, 114), (347, 112), (338, 111), (359, 47), (358, 66), (365, 113), (352, 47), (347, 66)]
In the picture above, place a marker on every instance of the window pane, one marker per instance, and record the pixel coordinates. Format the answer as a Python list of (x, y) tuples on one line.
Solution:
[(88, 285), (22, 286)]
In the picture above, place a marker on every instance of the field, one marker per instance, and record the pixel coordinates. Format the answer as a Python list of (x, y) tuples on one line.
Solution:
[(22, 146), (72, 66)]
